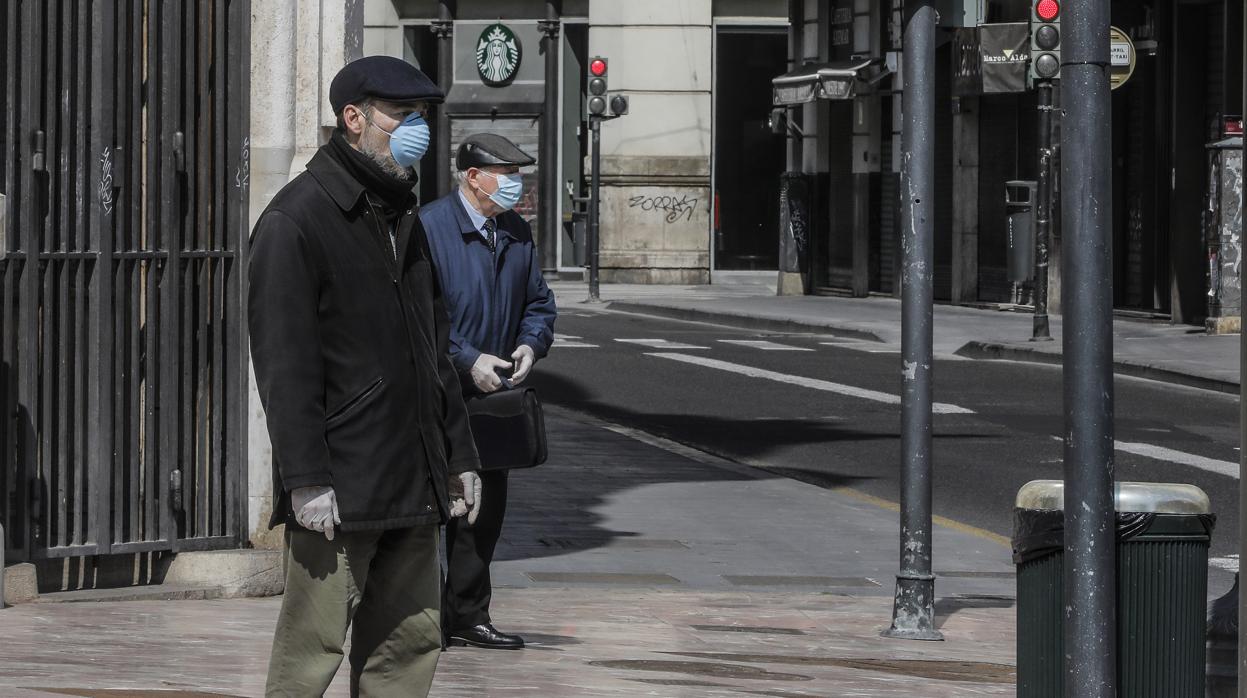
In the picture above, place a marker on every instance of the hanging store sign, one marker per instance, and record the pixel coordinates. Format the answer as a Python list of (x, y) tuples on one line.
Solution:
[(991, 59), (498, 54), (1122, 57)]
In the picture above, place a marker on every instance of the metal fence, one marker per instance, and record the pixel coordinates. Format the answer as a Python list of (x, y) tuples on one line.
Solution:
[(123, 171)]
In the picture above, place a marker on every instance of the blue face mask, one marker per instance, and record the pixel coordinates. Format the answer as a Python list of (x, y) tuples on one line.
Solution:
[(509, 190), (409, 141)]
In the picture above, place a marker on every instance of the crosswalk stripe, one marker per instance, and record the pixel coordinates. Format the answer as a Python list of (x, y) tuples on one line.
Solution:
[(813, 383), (567, 341), (764, 345), (661, 344)]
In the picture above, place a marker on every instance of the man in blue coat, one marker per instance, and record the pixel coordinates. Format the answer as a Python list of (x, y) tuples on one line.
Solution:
[(501, 322)]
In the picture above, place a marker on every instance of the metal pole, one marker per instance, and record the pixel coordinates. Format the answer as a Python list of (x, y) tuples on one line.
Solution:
[(595, 125), (1043, 214), (913, 611), (1090, 623), (444, 30), (548, 200), (1242, 462)]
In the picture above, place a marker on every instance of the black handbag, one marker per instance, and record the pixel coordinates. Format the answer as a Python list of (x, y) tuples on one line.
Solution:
[(509, 428)]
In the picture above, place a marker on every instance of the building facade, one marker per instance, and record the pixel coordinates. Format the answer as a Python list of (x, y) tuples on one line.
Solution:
[(688, 176), (1184, 94)]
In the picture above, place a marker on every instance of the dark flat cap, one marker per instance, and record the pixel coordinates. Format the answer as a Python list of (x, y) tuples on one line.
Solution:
[(381, 77), (490, 149)]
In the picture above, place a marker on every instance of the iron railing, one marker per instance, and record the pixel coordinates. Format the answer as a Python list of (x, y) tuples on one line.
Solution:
[(122, 349)]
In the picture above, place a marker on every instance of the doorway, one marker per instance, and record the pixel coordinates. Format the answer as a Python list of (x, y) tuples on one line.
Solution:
[(748, 159)]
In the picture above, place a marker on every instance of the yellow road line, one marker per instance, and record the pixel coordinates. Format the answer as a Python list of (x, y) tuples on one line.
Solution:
[(938, 520)]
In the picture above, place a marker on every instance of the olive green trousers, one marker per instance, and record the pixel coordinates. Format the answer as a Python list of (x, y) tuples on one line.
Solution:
[(384, 585)]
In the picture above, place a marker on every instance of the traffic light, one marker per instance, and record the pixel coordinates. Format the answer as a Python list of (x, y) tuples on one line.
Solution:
[(1045, 39), (619, 105), (597, 86)]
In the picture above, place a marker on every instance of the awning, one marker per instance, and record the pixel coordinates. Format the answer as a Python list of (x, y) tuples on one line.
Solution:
[(835, 80)]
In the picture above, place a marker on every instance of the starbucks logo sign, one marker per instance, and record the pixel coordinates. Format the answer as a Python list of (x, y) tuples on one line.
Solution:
[(498, 55)]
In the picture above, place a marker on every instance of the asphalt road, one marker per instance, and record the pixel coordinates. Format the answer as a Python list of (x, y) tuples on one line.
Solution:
[(825, 410)]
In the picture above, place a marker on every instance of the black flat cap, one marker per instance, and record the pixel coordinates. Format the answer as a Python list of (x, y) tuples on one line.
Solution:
[(490, 149), (381, 77)]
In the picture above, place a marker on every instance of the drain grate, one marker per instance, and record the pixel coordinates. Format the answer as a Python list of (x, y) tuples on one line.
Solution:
[(602, 578), (761, 630), (796, 580)]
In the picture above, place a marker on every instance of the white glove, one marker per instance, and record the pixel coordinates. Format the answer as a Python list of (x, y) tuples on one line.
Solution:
[(316, 509), (465, 496), (524, 359), (484, 373)]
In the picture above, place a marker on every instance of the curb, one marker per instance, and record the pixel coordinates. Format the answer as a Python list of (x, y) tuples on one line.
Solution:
[(155, 592), (742, 321), (994, 351)]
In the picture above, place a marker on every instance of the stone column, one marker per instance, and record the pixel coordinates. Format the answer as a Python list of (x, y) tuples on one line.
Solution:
[(296, 49), (656, 198)]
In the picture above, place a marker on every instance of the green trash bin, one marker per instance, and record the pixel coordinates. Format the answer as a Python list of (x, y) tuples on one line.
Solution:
[(1163, 532)]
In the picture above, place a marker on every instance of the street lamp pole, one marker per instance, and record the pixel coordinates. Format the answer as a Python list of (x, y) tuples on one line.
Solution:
[(913, 610), (1090, 625)]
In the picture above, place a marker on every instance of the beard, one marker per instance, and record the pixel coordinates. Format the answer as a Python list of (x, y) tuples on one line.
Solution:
[(377, 148)]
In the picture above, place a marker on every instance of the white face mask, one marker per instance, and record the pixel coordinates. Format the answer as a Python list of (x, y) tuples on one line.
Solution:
[(510, 189)]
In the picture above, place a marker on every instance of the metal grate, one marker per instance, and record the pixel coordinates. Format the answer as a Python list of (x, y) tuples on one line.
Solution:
[(125, 170)]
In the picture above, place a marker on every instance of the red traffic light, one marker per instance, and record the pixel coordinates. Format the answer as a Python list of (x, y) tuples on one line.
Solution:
[(1047, 10), (598, 65)]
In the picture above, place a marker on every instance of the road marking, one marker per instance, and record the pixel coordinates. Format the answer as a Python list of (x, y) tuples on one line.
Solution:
[(763, 344), (863, 347), (568, 341), (1169, 455), (812, 383), (1212, 465), (661, 344)]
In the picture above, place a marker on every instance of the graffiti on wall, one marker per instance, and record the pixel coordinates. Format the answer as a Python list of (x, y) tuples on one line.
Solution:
[(673, 207)]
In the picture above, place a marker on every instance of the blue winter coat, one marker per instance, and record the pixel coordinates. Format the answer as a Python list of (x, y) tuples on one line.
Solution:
[(497, 301)]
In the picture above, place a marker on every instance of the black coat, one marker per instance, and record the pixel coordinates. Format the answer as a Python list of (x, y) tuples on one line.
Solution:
[(350, 352)]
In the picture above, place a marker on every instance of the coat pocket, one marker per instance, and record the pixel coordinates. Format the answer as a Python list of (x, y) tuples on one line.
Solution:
[(354, 405)]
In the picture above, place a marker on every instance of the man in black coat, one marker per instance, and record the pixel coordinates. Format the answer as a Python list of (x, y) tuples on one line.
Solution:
[(371, 445)]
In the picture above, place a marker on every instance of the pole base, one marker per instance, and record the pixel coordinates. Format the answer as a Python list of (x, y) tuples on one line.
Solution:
[(913, 609), (1039, 331), (895, 633)]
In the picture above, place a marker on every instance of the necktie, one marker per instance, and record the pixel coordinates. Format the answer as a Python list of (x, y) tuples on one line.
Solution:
[(491, 235)]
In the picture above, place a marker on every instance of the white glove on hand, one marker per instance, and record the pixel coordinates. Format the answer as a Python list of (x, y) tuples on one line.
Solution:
[(316, 509), (465, 496), (524, 359), (484, 372)]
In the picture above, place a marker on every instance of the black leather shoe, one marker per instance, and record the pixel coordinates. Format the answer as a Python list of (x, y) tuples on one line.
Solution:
[(487, 636)]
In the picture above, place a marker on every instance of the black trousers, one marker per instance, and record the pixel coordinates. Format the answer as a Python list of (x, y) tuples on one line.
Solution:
[(469, 550)]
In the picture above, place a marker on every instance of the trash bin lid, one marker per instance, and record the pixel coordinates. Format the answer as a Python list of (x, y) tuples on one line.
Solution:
[(1145, 497)]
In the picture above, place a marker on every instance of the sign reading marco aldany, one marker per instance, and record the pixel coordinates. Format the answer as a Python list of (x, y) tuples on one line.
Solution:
[(498, 54)]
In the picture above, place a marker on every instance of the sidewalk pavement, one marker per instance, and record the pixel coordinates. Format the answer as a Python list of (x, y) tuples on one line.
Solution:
[(1152, 349), (634, 566)]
